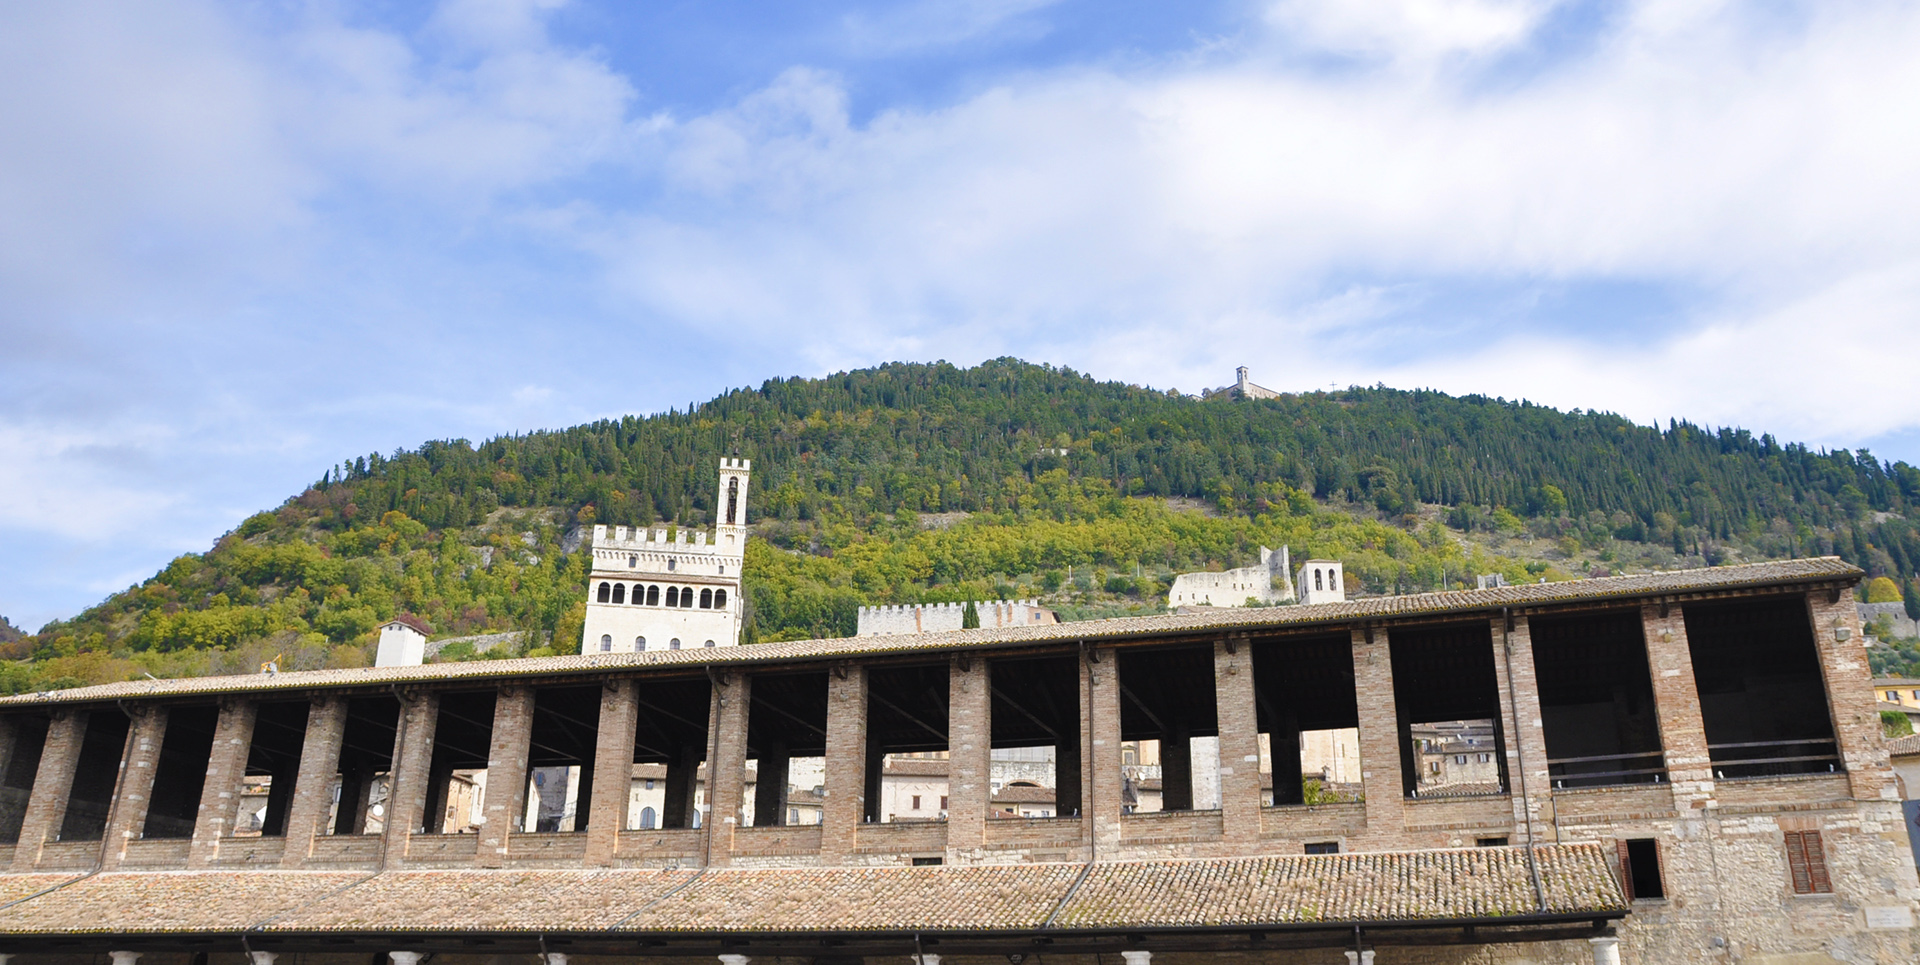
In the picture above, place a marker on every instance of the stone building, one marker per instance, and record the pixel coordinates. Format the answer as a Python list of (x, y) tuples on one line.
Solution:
[(1688, 768), (651, 592), (937, 617), (1266, 583)]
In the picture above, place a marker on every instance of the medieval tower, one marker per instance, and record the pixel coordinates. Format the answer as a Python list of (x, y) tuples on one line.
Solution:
[(648, 592)]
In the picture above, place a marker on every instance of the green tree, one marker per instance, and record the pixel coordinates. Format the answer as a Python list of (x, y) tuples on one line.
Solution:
[(970, 617), (1913, 599), (1895, 723), (1880, 589)]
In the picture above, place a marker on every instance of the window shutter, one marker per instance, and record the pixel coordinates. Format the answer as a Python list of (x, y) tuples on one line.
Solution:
[(1626, 868), (1817, 863), (1798, 865)]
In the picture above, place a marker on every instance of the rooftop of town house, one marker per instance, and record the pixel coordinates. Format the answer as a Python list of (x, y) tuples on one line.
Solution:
[(1455, 886), (1826, 569), (1908, 746)]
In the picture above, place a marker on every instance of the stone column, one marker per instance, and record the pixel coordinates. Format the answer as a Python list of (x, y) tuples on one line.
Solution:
[(508, 751), (1137, 958), (1176, 768), (226, 771), (770, 789), (405, 958), (1525, 730), (610, 791), (683, 776), (262, 958), (52, 783), (1606, 950), (846, 764), (1105, 776), (1380, 773), (127, 817), (970, 757), (313, 786), (1683, 733), (1843, 666), (124, 958), (1238, 718), (407, 783), (727, 772)]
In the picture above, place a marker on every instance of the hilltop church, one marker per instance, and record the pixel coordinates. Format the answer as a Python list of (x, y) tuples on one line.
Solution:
[(649, 592)]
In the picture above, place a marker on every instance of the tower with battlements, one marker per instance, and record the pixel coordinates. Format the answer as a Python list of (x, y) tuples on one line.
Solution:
[(670, 589)]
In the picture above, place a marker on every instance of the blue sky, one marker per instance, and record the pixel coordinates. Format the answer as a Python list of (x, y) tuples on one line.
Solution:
[(242, 241)]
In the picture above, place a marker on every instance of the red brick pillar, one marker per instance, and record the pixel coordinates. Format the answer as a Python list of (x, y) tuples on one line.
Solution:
[(128, 814), (47, 804), (1683, 733), (508, 749), (612, 787), (1380, 775), (1524, 728), (226, 770), (1102, 778), (313, 786), (408, 783), (846, 764), (970, 757), (1239, 722), (1856, 720), (727, 772)]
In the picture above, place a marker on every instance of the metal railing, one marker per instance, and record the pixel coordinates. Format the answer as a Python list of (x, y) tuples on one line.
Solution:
[(1818, 755), (1604, 770)]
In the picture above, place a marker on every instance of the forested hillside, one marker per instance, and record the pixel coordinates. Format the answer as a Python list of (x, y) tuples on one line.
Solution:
[(930, 482)]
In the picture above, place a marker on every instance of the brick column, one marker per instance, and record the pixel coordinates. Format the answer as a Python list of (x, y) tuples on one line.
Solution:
[(1843, 665), (1380, 774), (1524, 729), (226, 770), (1176, 767), (47, 804), (128, 814), (612, 786), (727, 771), (970, 757), (508, 751), (1102, 776), (313, 786), (1683, 733), (407, 784), (1239, 722), (846, 764)]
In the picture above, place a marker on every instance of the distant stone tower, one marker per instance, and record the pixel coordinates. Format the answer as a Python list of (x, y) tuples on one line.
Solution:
[(1321, 581), (651, 593)]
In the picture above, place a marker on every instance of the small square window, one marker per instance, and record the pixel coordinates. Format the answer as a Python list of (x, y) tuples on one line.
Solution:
[(1499, 842), (1323, 847)]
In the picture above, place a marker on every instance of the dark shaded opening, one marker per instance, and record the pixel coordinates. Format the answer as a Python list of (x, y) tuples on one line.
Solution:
[(181, 772), (462, 742), (619, 593), (788, 719), (1036, 703), (1762, 698), (273, 764), (673, 596), (1304, 686), (566, 727), (1596, 700), (1323, 847), (670, 748), (23, 764), (1448, 699), (1167, 695), (91, 797), (906, 714), (1642, 871), (366, 760), (606, 592)]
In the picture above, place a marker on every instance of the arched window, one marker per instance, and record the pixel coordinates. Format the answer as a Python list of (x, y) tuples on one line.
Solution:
[(1316, 581), (669, 564), (673, 644), (653, 596), (633, 561), (709, 643), (719, 599), (733, 500), (606, 592), (686, 596), (1333, 579), (706, 599), (639, 643), (646, 819), (673, 596), (619, 593), (606, 642)]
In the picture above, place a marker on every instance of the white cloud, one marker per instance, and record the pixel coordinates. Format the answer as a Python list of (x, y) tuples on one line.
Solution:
[(936, 23), (1417, 30)]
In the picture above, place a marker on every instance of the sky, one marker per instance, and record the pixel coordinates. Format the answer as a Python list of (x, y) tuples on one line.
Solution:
[(242, 241)]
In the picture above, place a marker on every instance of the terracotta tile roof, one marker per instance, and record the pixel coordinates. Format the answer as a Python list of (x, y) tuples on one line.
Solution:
[(915, 767), (1471, 884), (1023, 794), (1908, 746), (1612, 588)]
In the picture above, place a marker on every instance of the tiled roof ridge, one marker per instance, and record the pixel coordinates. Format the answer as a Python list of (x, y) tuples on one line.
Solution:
[(1226, 618), (1905, 746)]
